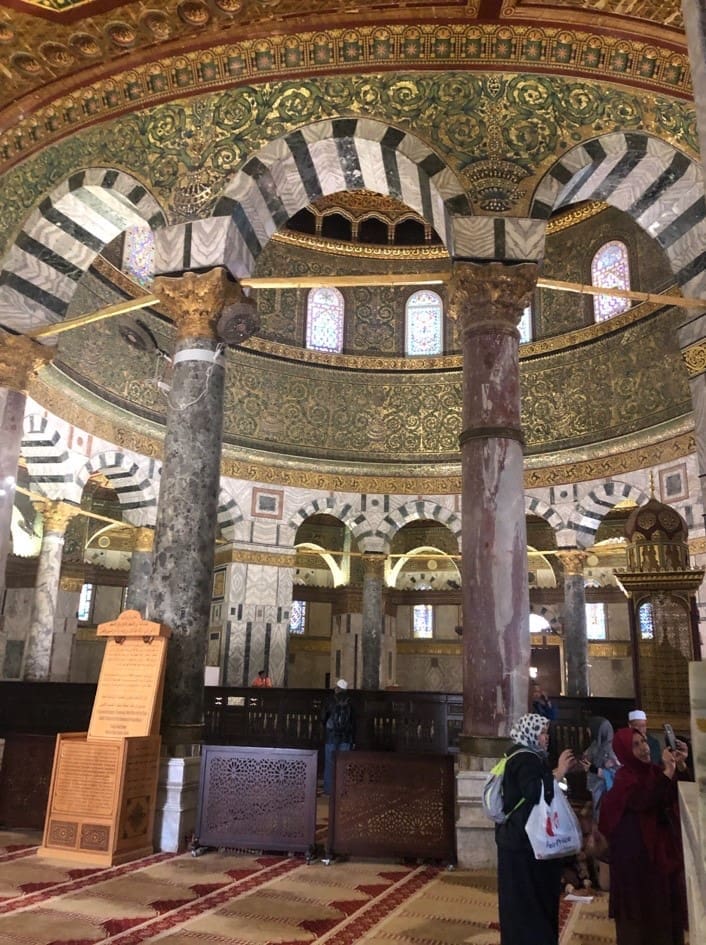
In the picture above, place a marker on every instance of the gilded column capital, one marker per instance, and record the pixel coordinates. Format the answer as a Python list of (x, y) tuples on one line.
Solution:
[(374, 564), (20, 359), (143, 538), (55, 514), (493, 292), (572, 560), (195, 300)]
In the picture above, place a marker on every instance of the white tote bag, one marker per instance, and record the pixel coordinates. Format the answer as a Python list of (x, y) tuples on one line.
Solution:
[(553, 829)]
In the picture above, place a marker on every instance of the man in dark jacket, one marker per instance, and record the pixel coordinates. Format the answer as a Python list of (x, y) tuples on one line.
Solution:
[(339, 729)]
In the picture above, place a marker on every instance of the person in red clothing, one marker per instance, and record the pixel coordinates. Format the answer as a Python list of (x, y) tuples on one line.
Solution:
[(262, 680), (640, 818)]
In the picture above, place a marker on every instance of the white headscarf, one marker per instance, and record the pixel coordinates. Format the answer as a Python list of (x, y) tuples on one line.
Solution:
[(527, 729)]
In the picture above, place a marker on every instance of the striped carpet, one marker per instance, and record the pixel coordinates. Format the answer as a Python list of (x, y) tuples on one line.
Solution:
[(247, 898)]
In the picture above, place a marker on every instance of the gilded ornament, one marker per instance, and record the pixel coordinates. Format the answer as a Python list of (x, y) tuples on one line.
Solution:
[(57, 55), (56, 515), (122, 34), (194, 12), (195, 300), (694, 357), (70, 584), (20, 359), (85, 45), (572, 560), (143, 539), (491, 292)]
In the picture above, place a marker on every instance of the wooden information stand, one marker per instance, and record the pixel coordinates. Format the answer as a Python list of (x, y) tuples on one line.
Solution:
[(104, 781)]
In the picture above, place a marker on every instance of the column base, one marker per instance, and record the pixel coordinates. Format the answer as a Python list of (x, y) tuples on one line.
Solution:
[(177, 803), (475, 834)]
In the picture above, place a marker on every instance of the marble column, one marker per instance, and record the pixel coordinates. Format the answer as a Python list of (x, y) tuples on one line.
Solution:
[(575, 639), (40, 637), (373, 618), (185, 532), (20, 359), (140, 569), (488, 300)]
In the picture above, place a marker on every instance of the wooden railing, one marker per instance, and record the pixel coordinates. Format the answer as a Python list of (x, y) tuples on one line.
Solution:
[(291, 718)]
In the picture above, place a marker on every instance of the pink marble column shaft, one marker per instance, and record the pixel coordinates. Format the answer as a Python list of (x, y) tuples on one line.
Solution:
[(489, 300)]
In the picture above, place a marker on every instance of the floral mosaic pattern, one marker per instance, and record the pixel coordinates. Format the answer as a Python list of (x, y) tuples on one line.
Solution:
[(485, 127)]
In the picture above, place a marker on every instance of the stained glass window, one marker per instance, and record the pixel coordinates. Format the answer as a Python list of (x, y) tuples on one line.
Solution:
[(610, 269), (525, 326), (645, 620), (422, 621), (595, 622), (423, 323), (138, 254), (84, 603), (297, 616), (324, 320)]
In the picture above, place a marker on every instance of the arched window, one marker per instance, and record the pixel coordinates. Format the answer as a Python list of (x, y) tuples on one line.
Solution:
[(139, 253), (525, 326), (324, 320), (610, 269), (423, 323)]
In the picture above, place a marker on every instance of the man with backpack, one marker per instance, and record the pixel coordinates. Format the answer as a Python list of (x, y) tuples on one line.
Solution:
[(339, 729)]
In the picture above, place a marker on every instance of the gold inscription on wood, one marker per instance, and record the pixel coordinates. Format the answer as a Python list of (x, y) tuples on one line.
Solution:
[(128, 688), (85, 779)]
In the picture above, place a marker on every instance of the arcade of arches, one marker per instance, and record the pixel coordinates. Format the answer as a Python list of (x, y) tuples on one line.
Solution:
[(394, 519)]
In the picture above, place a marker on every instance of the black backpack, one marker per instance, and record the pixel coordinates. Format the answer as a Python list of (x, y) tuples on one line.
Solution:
[(342, 719)]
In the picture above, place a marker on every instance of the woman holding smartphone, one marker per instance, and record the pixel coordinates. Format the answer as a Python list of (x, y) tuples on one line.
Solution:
[(640, 818)]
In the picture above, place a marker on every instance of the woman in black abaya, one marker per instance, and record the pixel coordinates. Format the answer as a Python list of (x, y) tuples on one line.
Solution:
[(528, 889)]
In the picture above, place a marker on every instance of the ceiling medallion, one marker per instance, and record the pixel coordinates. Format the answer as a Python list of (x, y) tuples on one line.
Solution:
[(85, 44), (56, 54), (122, 34), (157, 23), (229, 6), (494, 184), (26, 64), (194, 191), (194, 12)]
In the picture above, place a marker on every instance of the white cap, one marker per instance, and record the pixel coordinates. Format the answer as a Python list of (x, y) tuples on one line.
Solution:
[(341, 684), (637, 715)]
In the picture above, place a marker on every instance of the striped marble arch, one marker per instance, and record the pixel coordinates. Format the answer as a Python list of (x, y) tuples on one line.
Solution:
[(60, 239), (661, 188), (291, 172), (135, 486), (600, 500), (48, 460), (229, 515), (414, 510)]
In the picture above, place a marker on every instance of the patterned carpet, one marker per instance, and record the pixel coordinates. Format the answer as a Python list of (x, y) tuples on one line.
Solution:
[(245, 898)]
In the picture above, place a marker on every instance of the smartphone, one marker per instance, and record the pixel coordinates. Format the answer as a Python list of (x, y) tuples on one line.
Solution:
[(669, 737)]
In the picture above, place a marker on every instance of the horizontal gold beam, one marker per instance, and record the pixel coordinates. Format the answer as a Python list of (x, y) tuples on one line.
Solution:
[(441, 278), (101, 518), (120, 308), (315, 282)]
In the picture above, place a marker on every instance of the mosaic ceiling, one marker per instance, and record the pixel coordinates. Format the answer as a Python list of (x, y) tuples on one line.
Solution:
[(501, 86)]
